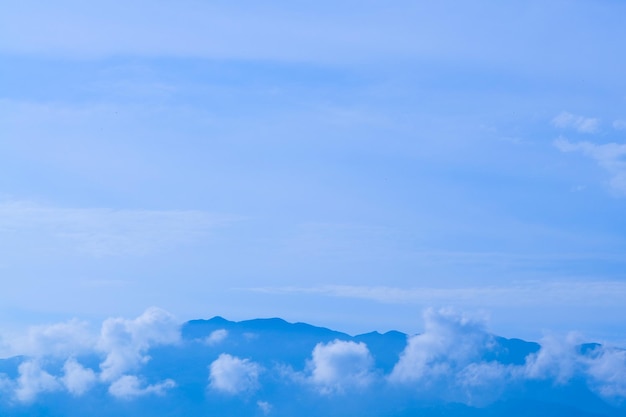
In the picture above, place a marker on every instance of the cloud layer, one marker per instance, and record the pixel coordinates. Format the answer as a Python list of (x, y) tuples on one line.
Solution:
[(454, 360), (121, 347)]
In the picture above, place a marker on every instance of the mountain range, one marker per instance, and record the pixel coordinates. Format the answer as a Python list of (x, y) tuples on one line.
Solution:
[(153, 367)]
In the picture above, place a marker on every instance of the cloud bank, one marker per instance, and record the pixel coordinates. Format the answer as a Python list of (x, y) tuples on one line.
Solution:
[(454, 360), (121, 346)]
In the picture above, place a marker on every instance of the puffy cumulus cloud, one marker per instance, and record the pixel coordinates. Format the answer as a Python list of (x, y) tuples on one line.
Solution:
[(232, 375), (339, 365), (581, 124), (125, 342), (130, 386), (450, 341), (33, 380), (447, 361), (216, 337), (609, 156), (456, 359), (76, 378)]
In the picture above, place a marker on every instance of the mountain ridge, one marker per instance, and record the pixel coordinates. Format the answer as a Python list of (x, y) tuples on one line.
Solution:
[(269, 366)]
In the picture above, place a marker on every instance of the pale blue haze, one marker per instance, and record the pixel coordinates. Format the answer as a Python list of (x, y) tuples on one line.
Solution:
[(347, 164)]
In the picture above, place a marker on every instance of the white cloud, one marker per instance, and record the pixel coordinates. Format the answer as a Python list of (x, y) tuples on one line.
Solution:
[(557, 359), (619, 124), (103, 231), (450, 342), (125, 342), (33, 380), (481, 383), (130, 386), (216, 337), (448, 357), (76, 378), (561, 360), (579, 123), (58, 340), (339, 365), (232, 375), (264, 406), (607, 370), (610, 156), (447, 362), (528, 293)]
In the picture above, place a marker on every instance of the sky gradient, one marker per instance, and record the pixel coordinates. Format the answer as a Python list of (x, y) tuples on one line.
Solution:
[(345, 164)]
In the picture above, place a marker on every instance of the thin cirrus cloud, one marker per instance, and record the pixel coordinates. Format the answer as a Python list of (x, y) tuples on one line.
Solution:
[(316, 31), (104, 231), (521, 294)]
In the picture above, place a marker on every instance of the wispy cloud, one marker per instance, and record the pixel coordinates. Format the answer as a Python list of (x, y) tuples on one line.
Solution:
[(565, 120), (130, 386), (105, 231), (216, 337), (609, 156), (619, 124), (520, 294)]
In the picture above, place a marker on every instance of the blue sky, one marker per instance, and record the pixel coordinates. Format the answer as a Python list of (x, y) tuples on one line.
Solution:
[(346, 164)]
